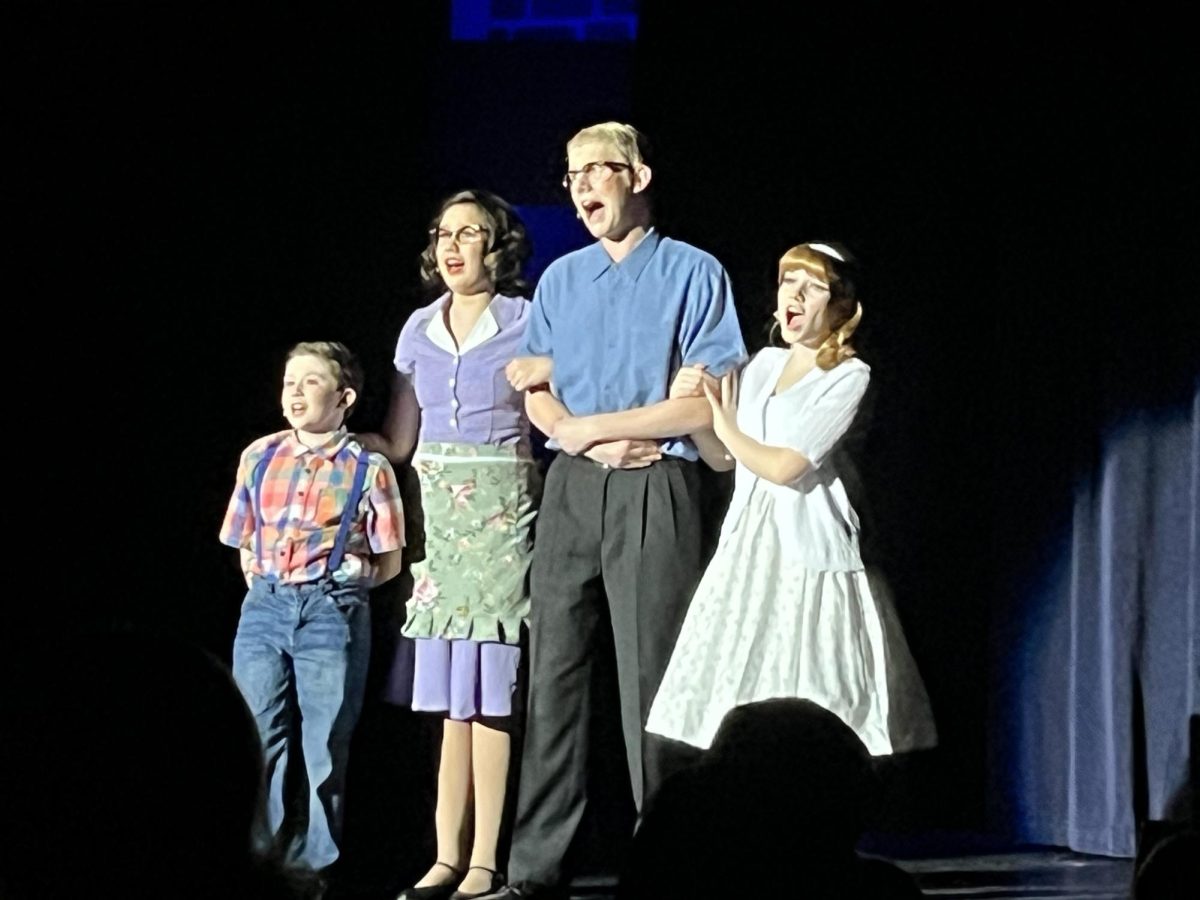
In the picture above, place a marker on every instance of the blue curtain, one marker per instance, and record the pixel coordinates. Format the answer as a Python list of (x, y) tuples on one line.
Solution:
[(1099, 666)]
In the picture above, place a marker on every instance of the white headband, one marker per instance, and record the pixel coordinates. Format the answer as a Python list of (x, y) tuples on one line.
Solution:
[(828, 251)]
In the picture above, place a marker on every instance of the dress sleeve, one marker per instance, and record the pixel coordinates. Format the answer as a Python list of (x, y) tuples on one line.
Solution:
[(405, 359), (819, 423)]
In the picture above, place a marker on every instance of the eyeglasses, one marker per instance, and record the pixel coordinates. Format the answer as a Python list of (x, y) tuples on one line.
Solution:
[(595, 172), (468, 234)]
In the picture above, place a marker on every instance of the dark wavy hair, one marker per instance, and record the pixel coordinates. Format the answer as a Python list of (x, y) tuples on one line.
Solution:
[(508, 245)]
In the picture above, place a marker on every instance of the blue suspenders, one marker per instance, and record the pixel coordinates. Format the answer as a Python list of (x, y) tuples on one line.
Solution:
[(339, 545)]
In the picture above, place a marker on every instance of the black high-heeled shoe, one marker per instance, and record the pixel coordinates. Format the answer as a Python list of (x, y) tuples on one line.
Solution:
[(496, 884), (435, 891)]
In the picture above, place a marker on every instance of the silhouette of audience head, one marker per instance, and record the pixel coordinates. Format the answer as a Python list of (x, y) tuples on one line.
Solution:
[(142, 778), (1171, 870), (799, 756), (775, 806)]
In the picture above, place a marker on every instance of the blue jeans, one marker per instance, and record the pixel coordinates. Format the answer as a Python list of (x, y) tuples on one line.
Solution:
[(300, 659)]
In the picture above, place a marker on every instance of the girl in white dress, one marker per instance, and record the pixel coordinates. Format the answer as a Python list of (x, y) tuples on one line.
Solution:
[(785, 608)]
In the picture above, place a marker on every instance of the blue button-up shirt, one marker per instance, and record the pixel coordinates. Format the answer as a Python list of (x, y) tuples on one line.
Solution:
[(618, 332)]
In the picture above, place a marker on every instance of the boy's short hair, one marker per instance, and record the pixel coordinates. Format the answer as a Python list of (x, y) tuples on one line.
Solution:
[(628, 141), (342, 362)]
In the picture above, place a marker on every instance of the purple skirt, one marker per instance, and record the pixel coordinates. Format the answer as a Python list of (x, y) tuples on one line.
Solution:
[(461, 678)]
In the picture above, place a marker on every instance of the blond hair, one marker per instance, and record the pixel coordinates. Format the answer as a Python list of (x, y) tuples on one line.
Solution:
[(628, 141)]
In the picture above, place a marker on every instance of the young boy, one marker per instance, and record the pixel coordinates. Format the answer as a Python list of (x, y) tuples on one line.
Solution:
[(318, 521)]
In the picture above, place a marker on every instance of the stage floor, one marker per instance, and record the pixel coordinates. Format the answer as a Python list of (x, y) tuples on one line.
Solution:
[(1031, 874)]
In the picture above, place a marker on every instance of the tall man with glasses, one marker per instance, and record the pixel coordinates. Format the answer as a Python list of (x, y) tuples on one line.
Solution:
[(619, 535)]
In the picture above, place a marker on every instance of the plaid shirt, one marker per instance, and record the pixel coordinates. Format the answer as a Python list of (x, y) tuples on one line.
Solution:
[(303, 492)]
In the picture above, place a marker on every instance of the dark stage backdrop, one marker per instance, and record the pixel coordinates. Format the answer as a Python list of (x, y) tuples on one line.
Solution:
[(203, 190)]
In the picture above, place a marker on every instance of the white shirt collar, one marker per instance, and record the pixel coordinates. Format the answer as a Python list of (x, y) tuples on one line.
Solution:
[(485, 328)]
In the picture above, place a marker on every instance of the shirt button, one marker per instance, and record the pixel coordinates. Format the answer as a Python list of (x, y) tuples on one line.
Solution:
[(454, 404), (454, 422), (451, 382)]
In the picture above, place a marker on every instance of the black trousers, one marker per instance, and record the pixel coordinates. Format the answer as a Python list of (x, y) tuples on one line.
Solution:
[(629, 539)]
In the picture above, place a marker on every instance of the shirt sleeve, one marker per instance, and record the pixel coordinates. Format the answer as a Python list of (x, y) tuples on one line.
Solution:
[(385, 511), (537, 338), (238, 525), (709, 333), (819, 424)]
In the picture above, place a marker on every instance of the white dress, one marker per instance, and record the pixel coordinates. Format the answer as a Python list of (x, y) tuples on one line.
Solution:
[(784, 608)]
